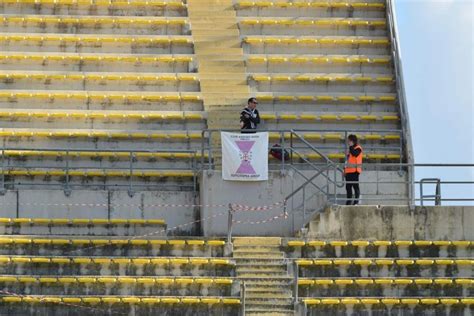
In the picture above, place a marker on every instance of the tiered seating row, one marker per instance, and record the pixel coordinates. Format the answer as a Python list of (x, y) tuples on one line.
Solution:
[(34, 299)]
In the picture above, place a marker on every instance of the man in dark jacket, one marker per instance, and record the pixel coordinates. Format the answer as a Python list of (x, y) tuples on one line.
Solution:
[(249, 117)]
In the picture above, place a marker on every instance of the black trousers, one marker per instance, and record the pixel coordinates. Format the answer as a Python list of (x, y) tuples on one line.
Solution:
[(352, 177)]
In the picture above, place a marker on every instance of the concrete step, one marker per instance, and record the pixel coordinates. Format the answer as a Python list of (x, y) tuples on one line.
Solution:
[(257, 249), (266, 312), (266, 269), (262, 261), (259, 255), (229, 77), (258, 274), (211, 33), (217, 53), (268, 295), (257, 241), (277, 302)]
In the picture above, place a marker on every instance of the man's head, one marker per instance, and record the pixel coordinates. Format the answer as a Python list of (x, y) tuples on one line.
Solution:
[(252, 103), (352, 140)]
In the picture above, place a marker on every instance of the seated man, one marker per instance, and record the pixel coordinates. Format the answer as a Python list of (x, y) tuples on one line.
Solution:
[(249, 117)]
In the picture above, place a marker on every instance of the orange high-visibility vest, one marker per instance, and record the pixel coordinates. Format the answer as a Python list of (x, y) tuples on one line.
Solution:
[(354, 164)]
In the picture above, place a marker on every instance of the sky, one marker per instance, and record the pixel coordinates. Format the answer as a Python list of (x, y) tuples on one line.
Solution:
[(437, 40)]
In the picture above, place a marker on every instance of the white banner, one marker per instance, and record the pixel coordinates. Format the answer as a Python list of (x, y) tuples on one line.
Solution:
[(244, 156)]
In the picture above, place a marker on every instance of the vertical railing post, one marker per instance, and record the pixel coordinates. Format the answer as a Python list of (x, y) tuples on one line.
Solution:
[(67, 188), (295, 279), (304, 204), (291, 147), (209, 145), (335, 183), (411, 186), (230, 222), (2, 182), (242, 294), (282, 140), (130, 181), (438, 193), (421, 192), (203, 134)]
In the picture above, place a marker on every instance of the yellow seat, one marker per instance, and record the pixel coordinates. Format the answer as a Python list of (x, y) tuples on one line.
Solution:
[(343, 281), (150, 300), (230, 301), (444, 261), (146, 280), (82, 260), (390, 301), (370, 301), (140, 261), (215, 242), (131, 300), (342, 261), (100, 241), (160, 261), (86, 280), (322, 262), (6, 279), (204, 280), (402, 281), (364, 262), (80, 241), (106, 280), (195, 242), (461, 243), (296, 243), (223, 281), (47, 280), (127, 280), (110, 300), (323, 282), (91, 300), (40, 260), (316, 243), (304, 262), (364, 281), (423, 281), (424, 261), (139, 242), (170, 300), (61, 260), (311, 301), (66, 280), (184, 281), (179, 261), (410, 301), (210, 301), (220, 261), (198, 261), (11, 299)]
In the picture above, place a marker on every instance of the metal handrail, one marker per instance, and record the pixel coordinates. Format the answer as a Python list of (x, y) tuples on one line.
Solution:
[(67, 186), (436, 196), (399, 83)]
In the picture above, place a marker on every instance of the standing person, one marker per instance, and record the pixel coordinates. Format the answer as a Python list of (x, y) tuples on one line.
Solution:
[(353, 169), (249, 117)]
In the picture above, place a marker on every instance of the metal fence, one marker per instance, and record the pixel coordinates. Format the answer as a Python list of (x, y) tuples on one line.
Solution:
[(128, 168)]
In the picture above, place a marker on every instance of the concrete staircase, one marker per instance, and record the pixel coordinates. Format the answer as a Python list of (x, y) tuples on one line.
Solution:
[(220, 60), (261, 264)]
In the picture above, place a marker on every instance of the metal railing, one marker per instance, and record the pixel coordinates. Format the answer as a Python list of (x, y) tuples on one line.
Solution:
[(126, 167), (293, 140)]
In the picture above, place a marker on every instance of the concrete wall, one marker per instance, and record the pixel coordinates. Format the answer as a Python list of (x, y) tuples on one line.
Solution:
[(215, 191), (104, 204), (394, 222)]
